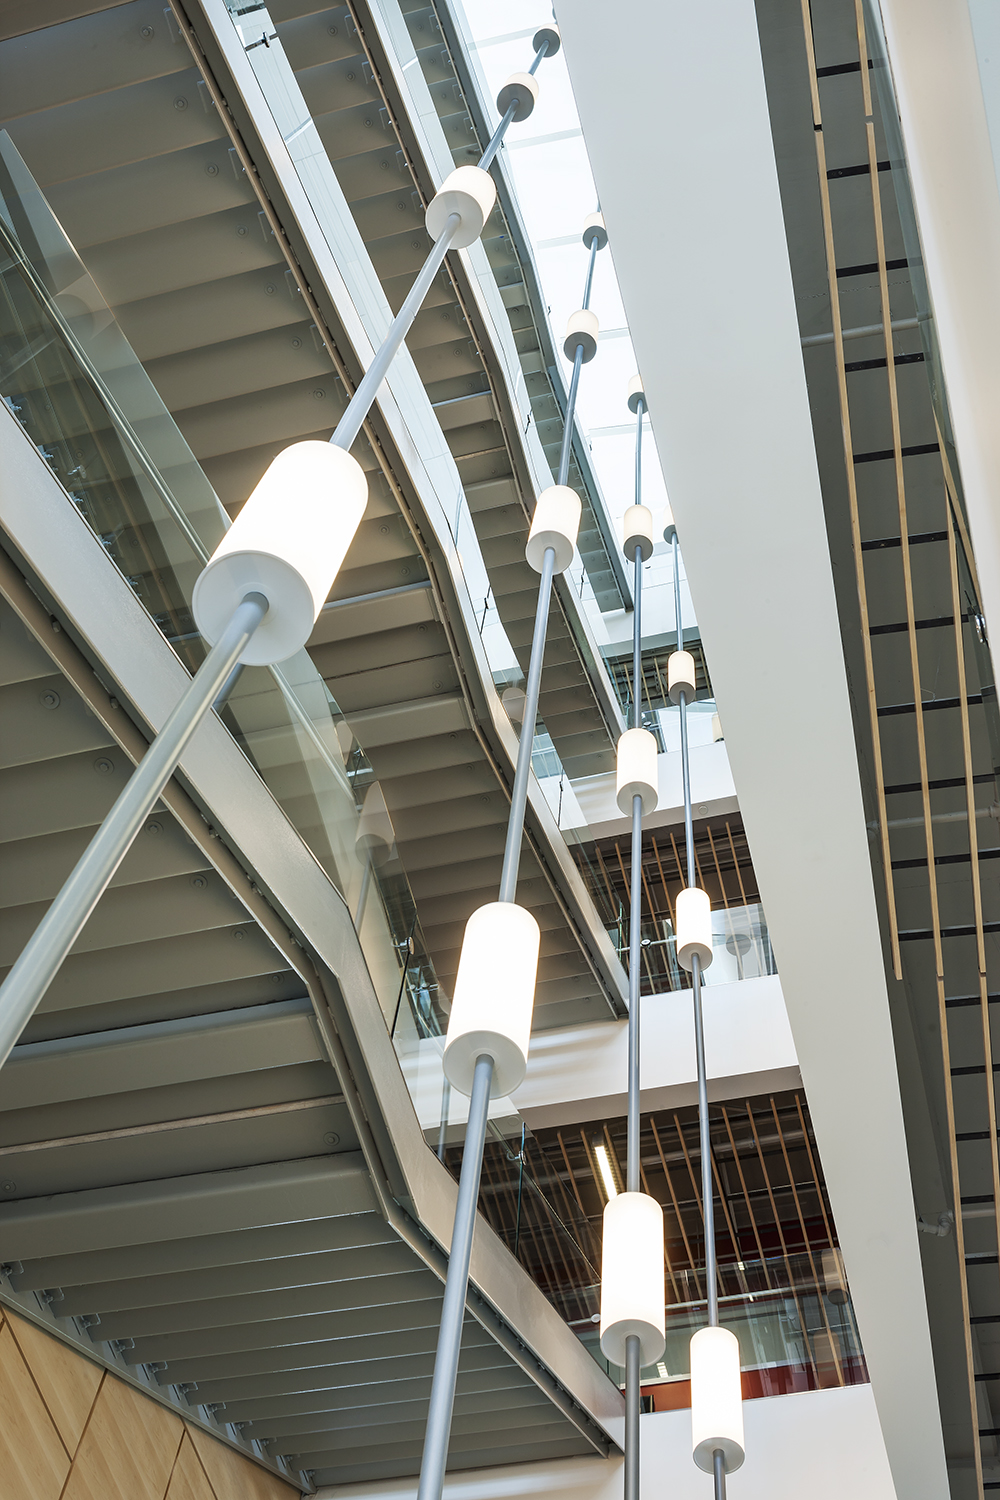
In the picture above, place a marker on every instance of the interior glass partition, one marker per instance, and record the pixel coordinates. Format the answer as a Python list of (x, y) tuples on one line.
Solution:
[(72, 380), (782, 1285)]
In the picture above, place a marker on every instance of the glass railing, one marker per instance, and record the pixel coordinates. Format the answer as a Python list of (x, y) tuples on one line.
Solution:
[(72, 380), (741, 949), (544, 1192), (792, 1316)]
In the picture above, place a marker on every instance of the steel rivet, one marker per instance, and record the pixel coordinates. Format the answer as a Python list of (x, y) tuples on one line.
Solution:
[(242, 231), (332, 1138), (146, 31), (10, 1187), (104, 767), (49, 699), (154, 827), (319, 394), (180, 102), (270, 289), (239, 933), (199, 882), (212, 169)]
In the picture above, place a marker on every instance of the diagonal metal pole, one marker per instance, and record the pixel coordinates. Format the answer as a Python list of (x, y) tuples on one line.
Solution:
[(633, 1368), (438, 1431), (704, 1134), (42, 958), (43, 955), (449, 1344)]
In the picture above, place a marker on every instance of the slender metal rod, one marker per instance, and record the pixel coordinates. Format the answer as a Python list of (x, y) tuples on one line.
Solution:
[(719, 1469), (567, 441), (542, 52), (640, 408), (705, 1139), (588, 284), (65, 919), (496, 140), (633, 1402), (361, 402), (637, 679), (635, 904), (686, 780), (707, 1188), (519, 796), (678, 620), (634, 972), (449, 1342)]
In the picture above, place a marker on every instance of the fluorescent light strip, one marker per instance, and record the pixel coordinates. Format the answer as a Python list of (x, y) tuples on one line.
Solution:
[(607, 1176)]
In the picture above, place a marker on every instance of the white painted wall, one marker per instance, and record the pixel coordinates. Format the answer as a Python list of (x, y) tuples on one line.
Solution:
[(578, 1073), (943, 56), (817, 1445), (712, 790)]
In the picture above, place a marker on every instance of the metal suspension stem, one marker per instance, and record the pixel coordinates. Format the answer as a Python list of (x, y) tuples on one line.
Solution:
[(519, 796), (361, 402), (707, 1188), (567, 442), (633, 1402), (639, 409), (496, 140), (65, 919), (449, 1342), (705, 1140), (677, 598), (637, 642), (588, 284), (634, 971), (686, 778), (635, 905), (719, 1470), (542, 52)]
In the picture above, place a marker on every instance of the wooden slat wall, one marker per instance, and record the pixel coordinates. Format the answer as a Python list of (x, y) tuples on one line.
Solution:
[(72, 1431)]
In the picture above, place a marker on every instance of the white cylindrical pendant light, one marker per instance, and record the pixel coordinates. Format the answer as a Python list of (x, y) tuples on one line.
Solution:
[(469, 192), (669, 528), (287, 543), (637, 771), (582, 329), (694, 927), (682, 676), (594, 229), (717, 733), (548, 34), (555, 523), (494, 997), (637, 531), (521, 88), (632, 1292), (834, 1278), (636, 394), (375, 835), (716, 1398)]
